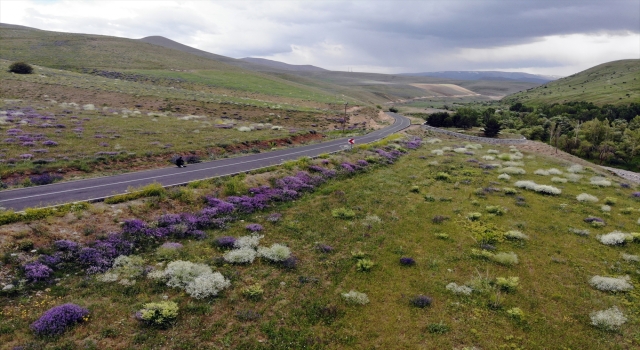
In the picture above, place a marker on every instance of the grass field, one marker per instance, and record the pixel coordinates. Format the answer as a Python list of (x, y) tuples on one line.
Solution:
[(449, 213), (614, 82)]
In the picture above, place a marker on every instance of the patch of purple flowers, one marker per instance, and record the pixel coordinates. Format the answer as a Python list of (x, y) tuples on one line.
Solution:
[(56, 320), (591, 219), (635, 195), (254, 227), (414, 143), (421, 301), (37, 271), (407, 261), (44, 179), (323, 248), (225, 242), (49, 143)]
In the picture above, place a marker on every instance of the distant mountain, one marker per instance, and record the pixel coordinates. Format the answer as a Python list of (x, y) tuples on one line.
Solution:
[(486, 75), (613, 82), (284, 66)]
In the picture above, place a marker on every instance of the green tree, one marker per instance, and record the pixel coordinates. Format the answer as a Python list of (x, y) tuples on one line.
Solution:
[(492, 127)]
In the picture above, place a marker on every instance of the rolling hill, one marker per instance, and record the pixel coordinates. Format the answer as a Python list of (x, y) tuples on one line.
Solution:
[(616, 82), (486, 75)]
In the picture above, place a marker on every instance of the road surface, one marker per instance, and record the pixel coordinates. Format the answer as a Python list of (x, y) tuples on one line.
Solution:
[(99, 188)]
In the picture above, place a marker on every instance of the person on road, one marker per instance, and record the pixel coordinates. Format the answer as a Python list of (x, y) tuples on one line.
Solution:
[(180, 162)]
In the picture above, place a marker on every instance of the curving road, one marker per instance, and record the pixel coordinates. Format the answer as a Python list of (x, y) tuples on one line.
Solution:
[(99, 188)]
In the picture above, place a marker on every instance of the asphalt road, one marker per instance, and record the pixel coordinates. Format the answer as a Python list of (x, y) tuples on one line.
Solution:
[(99, 188)]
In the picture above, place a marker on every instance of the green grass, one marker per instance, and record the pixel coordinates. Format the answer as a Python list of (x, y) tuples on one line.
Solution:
[(616, 82), (304, 307)]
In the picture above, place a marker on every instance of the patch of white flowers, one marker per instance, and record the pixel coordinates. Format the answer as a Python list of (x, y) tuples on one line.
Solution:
[(354, 297), (532, 186), (609, 319), (196, 279), (461, 150), (605, 208), (615, 238), (437, 152), (277, 252), (248, 241), (558, 179), (240, 255), (611, 284), (600, 181), (516, 235), (488, 157), (504, 177), (456, 289), (585, 197), (574, 177), (513, 170), (575, 168), (434, 140), (517, 164), (492, 151), (541, 172), (630, 257)]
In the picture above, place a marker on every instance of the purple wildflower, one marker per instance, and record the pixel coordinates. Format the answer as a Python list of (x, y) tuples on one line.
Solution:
[(323, 248), (254, 227), (407, 261), (290, 263), (635, 194), (348, 167), (56, 320), (225, 242), (421, 301), (50, 260), (44, 179), (65, 245), (591, 219), (26, 156), (37, 271), (28, 144), (49, 143), (362, 162), (222, 207), (274, 217)]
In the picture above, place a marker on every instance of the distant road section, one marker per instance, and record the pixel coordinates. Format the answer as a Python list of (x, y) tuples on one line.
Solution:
[(102, 187)]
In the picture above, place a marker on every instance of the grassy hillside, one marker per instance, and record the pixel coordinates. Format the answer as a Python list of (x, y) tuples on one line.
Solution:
[(616, 82), (438, 205)]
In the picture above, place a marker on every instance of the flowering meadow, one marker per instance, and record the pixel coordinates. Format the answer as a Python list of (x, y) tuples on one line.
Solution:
[(344, 251)]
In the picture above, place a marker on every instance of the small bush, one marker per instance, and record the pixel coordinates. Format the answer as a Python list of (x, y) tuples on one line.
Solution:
[(160, 315), (240, 256), (354, 297), (364, 265), (276, 253), (429, 198), (474, 216), (610, 201), (508, 284), (504, 176), (438, 219), (343, 213), (442, 176), (599, 181), (513, 171), (253, 292), (610, 319), (516, 235), (615, 238), (20, 68), (516, 313), (494, 209), (407, 261), (438, 328), (507, 259), (558, 179), (509, 191)]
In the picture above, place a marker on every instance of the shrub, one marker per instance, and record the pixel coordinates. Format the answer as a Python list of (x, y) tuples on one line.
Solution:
[(504, 176), (516, 235), (611, 284), (585, 197), (573, 177), (253, 292), (225, 242), (505, 258), (429, 198), (323, 248), (610, 201), (56, 320), (438, 328), (160, 315), (558, 179), (610, 319), (456, 289), (364, 265), (630, 257), (615, 238), (516, 313), (474, 216), (20, 68), (343, 213), (354, 297), (442, 176), (509, 191), (240, 256), (248, 241), (546, 189), (507, 284), (605, 208), (129, 267), (438, 219), (415, 189), (554, 171), (37, 272), (541, 172), (254, 227), (575, 168), (494, 209), (421, 301), (277, 252)]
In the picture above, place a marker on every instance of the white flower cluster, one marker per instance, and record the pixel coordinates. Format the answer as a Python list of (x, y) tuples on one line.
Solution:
[(504, 177), (473, 146), (461, 150), (492, 151), (240, 256), (585, 197), (456, 289), (574, 177), (437, 152), (575, 168), (541, 172), (609, 319), (248, 241), (488, 157), (611, 284), (630, 257), (125, 268), (599, 181), (277, 252), (516, 164), (354, 297), (605, 208), (615, 238), (579, 232), (558, 179), (554, 171), (434, 140), (196, 279), (513, 170), (516, 235), (530, 185)]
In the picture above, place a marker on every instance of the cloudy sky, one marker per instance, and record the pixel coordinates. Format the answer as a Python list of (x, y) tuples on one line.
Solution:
[(555, 37)]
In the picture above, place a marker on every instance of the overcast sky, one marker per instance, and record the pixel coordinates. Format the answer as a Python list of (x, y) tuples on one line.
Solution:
[(556, 37)]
